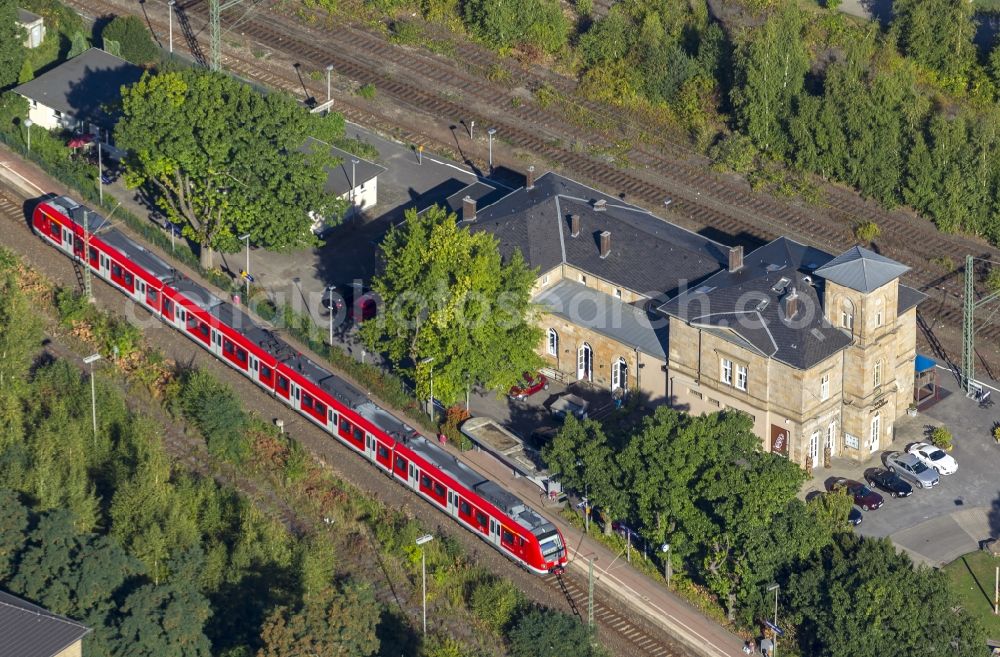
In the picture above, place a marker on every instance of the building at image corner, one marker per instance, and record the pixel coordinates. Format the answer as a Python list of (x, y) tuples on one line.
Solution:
[(27, 630), (818, 350)]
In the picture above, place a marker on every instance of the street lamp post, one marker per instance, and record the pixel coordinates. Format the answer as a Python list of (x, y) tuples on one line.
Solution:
[(90, 360), (329, 69), (467, 387), (774, 587), (330, 289), (246, 238), (421, 541), (170, 22), (491, 132), (27, 124), (430, 361)]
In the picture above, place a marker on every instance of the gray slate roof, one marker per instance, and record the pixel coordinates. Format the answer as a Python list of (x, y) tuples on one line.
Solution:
[(603, 313), (861, 270), (28, 630), (748, 306), (908, 297), (338, 181), (83, 86), (25, 17), (648, 254)]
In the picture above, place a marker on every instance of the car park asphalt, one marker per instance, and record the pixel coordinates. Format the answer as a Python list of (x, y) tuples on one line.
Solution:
[(937, 525)]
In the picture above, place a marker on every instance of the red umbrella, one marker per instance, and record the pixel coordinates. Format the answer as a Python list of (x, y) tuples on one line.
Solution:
[(80, 140)]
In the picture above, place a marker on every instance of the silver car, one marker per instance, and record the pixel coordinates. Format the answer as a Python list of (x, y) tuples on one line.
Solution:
[(909, 467)]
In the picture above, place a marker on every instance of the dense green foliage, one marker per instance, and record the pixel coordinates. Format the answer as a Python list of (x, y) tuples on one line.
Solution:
[(217, 413), (545, 633), (510, 23), (221, 159), (133, 39), (447, 296), (731, 515), (12, 52)]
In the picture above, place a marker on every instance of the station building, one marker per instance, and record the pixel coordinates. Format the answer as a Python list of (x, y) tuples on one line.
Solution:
[(818, 350)]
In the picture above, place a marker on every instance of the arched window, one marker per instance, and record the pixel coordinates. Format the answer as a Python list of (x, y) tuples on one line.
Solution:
[(553, 344), (619, 375)]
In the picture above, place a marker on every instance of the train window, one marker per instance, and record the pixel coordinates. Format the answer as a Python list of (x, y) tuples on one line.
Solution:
[(345, 426), (438, 489), (359, 434), (464, 508), (307, 402), (203, 329), (241, 354), (227, 347), (128, 279), (283, 383), (321, 408), (93, 253), (506, 537), (54, 226), (116, 270), (383, 451), (481, 519), (265, 372), (400, 465), (425, 481), (153, 296)]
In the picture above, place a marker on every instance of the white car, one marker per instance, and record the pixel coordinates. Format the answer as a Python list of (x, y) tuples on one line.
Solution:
[(934, 457)]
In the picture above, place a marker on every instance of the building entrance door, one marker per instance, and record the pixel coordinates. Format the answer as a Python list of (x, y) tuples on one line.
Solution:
[(814, 449), (585, 363)]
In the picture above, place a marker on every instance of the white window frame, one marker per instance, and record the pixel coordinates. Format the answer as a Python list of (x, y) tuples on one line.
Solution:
[(814, 448), (618, 293), (831, 437), (618, 368), (552, 347), (824, 387), (876, 430), (742, 377), (877, 374), (726, 371), (878, 313), (545, 279), (846, 319)]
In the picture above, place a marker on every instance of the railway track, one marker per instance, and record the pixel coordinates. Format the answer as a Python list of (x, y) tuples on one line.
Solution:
[(626, 634), (435, 86)]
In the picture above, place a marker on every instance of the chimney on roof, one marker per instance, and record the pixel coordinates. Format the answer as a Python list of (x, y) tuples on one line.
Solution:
[(735, 258), (530, 178), (600, 205), (605, 243), (574, 225), (468, 208), (791, 303)]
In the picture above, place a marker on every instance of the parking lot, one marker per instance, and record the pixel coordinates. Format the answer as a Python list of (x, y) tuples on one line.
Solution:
[(939, 524)]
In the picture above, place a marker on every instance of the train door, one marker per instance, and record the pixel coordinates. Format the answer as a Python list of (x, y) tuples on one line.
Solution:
[(67, 240), (452, 503), (216, 343), (494, 531), (105, 268), (140, 289), (370, 446)]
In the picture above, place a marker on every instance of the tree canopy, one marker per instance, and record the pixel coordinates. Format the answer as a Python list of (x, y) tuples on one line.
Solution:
[(447, 296), (133, 38), (223, 160), (341, 624), (12, 51)]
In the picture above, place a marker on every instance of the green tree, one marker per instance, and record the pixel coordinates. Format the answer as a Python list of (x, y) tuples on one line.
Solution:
[(770, 66), (936, 33), (495, 603), (448, 296), (548, 633), (343, 625), (78, 45), (863, 597), (218, 414), (222, 159), (13, 530), (132, 35), (582, 457), (12, 51), (164, 621)]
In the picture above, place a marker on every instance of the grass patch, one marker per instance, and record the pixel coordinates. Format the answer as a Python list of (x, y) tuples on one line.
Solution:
[(970, 578)]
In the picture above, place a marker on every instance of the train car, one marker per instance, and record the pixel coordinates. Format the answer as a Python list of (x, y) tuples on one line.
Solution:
[(492, 513)]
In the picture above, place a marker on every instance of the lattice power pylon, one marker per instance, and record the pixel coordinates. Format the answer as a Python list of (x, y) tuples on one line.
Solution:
[(970, 304), (215, 9)]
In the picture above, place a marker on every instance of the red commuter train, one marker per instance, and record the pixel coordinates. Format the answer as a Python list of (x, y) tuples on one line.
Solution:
[(482, 506)]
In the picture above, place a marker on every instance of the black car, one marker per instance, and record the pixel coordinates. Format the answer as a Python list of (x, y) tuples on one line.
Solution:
[(890, 482), (855, 517)]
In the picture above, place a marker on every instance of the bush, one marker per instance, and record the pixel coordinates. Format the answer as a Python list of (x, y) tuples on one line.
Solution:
[(495, 603), (735, 152), (867, 232), (941, 437), (367, 91), (502, 25), (133, 38), (548, 633), (453, 419), (218, 414)]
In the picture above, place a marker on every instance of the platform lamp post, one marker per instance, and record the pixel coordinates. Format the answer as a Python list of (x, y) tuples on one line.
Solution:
[(27, 124), (329, 70), (90, 360), (667, 566), (246, 272), (430, 361), (170, 22), (775, 587), (421, 541), (491, 132)]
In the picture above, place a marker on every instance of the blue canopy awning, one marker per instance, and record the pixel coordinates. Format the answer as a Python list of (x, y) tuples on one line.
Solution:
[(923, 363)]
